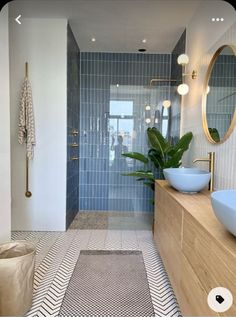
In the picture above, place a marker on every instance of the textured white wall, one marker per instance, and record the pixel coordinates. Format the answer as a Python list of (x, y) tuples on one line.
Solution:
[(5, 186), (203, 38), (42, 43)]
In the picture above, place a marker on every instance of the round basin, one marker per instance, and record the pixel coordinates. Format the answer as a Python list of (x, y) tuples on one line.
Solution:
[(187, 180), (224, 206)]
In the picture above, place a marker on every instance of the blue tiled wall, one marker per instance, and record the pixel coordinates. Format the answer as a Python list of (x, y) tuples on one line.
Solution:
[(176, 73), (73, 108), (124, 78)]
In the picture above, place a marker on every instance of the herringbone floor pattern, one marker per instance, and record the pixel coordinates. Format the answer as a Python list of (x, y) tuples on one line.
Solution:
[(58, 252)]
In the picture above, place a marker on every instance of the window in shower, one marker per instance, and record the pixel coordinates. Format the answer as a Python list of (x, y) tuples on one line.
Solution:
[(165, 121), (121, 129)]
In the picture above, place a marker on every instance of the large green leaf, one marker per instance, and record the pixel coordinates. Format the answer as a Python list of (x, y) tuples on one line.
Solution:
[(157, 141), (174, 161), (156, 158), (183, 143), (144, 174), (136, 156), (214, 134), (169, 149)]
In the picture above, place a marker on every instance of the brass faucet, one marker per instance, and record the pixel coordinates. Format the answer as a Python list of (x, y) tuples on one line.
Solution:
[(211, 160)]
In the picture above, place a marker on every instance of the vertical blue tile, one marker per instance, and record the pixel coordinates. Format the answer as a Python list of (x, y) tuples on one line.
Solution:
[(102, 185), (73, 102)]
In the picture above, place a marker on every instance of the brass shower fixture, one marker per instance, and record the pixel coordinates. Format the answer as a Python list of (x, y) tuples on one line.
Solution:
[(161, 80)]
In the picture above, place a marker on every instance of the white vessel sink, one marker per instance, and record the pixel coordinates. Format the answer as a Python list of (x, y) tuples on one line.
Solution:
[(187, 180), (224, 206)]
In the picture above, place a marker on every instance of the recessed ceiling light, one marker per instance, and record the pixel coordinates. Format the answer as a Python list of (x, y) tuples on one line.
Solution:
[(142, 50), (222, 19), (217, 19), (144, 40), (93, 39), (213, 19)]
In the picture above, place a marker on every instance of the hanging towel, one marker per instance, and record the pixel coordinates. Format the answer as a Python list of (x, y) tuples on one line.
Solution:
[(26, 119)]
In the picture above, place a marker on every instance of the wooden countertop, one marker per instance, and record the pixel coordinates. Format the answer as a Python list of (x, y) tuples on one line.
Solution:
[(199, 207)]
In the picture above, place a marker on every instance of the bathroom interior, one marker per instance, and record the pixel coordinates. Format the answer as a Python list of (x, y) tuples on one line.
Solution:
[(117, 148)]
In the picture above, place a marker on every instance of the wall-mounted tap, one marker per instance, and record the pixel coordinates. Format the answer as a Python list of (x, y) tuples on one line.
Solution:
[(211, 160)]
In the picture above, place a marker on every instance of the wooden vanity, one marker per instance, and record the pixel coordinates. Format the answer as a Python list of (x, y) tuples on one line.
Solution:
[(197, 251)]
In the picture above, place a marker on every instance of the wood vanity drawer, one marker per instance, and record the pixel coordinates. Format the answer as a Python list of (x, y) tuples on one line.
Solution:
[(208, 259), (169, 251), (189, 292), (193, 297), (169, 211)]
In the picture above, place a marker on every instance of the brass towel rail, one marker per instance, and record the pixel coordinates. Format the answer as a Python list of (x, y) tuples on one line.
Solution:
[(161, 80)]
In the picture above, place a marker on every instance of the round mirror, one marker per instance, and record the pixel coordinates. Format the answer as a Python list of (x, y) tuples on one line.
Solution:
[(219, 99)]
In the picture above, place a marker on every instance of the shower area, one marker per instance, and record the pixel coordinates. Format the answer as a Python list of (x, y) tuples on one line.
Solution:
[(111, 103), (90, 107)]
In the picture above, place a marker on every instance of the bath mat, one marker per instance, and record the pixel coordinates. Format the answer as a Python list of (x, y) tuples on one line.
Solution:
[(108, 283)]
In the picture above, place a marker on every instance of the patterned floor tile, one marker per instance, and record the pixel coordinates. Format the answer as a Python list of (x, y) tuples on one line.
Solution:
[(113, 240), (57, 255), (129, 240), (97, 239)]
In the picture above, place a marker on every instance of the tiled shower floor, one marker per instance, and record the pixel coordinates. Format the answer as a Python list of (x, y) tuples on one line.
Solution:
[(57, 254), (112, 220)]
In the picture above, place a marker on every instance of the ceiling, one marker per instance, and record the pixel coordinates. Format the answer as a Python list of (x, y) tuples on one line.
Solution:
[(117, 25)]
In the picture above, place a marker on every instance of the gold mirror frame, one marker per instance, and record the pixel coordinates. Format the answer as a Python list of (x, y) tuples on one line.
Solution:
[(204, 99)]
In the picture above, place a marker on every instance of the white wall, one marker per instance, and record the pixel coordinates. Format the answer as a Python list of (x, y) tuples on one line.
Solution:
[(203, 38), (5, 186), (42, 43)]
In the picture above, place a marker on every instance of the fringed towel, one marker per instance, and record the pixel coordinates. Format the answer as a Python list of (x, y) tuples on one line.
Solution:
[(26, 119)]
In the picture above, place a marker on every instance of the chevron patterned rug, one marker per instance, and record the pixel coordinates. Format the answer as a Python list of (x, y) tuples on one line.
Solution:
[(108, 283)]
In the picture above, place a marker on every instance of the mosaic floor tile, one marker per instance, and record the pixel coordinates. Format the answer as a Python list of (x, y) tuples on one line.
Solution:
[(112, 220)]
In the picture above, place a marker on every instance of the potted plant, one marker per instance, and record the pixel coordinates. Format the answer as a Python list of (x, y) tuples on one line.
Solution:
[(161, 154)]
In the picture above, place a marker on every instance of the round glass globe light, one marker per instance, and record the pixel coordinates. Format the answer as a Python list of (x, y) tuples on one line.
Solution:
[(183, 59), (183, 89), (166, 103), (147, 107)]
